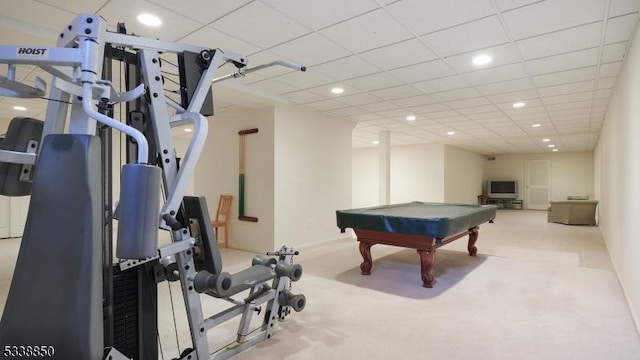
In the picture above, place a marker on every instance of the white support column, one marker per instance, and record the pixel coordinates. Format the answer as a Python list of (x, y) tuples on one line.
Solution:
[(384, 167)]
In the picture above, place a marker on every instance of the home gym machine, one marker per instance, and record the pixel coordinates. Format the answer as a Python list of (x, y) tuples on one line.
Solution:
[(68, 298)]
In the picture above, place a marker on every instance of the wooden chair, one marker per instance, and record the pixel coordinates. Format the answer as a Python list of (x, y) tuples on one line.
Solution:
[(222, 217)]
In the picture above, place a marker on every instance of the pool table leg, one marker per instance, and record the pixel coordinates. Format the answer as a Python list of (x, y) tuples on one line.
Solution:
[(471, 247), (426, 265), (365, 251)]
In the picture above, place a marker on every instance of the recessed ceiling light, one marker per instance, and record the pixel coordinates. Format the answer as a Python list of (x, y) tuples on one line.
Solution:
[(411, 117), (546, 140), (149, 20), (536, 125), (376, 142), (337, 90), (19, 108), (554, 150), (188, 130), (518, 105), (551, 145), (451, 132), (482, 59)]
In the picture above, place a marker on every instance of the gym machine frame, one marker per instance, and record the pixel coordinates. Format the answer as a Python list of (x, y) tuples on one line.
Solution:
[(193, 257)]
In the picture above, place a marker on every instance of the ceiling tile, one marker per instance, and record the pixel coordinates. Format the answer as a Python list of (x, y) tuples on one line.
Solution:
[(442, 84), (396, 114), (621, 28), (398, 55), (363, 33), (423, 71), (304, 80), (398, 92), (621, 7), (478, 110), (174, 26), (319, 14), (572, 60), (347, 68), (422, 17), (359, 99), (530, 118), (531, 105), (429, 108), (214, 39), (610, 69), (374, 82), (532, 108), (563, 77), (273, 86), (568, 98), (449, 121), (567, 88), (379, 106), (606, 83), (468, 37), (45, 16), (581, 37), (466, 103), (325, 90), (310, 50), (72, 6), (505, 86), (326, 105), (604, 93), (501, 73), (414, 101), (195, 8), (513, 96), (505, 5), (552, 15), (457, 94), (614, 52), (437, 115), (579, 107), (303, 97), (486, 115), (250, 21), (460, 104), (501, 54)]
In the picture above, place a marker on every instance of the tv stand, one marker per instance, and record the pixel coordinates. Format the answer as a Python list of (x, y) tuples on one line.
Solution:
[(506, 203)]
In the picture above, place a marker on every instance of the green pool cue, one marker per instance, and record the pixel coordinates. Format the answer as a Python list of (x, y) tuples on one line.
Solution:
[(242, 176)]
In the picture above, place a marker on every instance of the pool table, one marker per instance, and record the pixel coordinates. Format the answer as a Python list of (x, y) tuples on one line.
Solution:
[(417, 225)]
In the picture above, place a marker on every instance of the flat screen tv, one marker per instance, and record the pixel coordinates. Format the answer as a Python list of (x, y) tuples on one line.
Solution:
[(502, 189)]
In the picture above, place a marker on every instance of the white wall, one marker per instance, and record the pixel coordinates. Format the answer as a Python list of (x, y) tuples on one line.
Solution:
[(463, 175), (618, 175), (312, 175), (364, 183), (571, 172), (417, 174), (218, 169)]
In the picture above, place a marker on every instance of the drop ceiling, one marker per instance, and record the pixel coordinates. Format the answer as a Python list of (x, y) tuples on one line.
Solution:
[(393, 59)]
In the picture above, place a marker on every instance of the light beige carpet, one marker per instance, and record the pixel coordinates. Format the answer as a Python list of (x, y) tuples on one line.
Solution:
[(535, 291)]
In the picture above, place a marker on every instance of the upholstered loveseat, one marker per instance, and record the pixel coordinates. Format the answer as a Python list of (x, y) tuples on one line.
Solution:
[(573, 212)]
